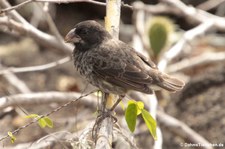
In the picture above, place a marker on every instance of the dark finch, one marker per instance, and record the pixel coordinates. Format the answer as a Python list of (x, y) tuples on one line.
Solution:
[(112, 65)]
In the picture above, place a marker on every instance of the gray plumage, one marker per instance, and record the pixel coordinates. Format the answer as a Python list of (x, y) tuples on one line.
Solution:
[(112, 65)]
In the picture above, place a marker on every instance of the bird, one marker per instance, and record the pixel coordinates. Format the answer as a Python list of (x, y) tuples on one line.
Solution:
[(112, 65)]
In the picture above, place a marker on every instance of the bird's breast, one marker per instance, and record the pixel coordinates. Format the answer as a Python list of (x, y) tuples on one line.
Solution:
[(81, 63)]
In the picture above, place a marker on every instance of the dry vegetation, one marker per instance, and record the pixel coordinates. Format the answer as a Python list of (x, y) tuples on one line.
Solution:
[(37, 76)]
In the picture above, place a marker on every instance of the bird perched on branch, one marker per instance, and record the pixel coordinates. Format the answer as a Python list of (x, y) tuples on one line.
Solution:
[(112, 65)]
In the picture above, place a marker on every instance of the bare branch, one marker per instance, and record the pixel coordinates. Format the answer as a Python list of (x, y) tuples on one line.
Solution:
[(16, 82), (51, 23), (207, 58), (73, 1), (36, 68), (139, 19), (57, 1), (210, 4), (105, 133), (14, 14), (15, 7), (43, 38), (178, 8), (40, 98), (128, 138), (181, 129), (196, 15), (4, 101), (179, 46), (39, 144)]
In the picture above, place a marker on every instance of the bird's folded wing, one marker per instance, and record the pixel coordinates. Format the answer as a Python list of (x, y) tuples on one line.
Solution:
[(145, 59), (130, 77)]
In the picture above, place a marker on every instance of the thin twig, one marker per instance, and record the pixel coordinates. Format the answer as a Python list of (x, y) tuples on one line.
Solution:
[(15, 7), (125, 136), (60, 2), (43, 38), (210, 4), (41, 98), (196, 15), (36, 68), (179, 46), (182, 129), (139, 19), (13, 14), (53, 111), (16, 82), (73, 1), (51, 23), (87, 1), (206, 58)]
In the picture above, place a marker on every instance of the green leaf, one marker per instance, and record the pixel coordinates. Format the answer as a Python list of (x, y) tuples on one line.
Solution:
[(131, 116), (42, 123), (131, 101), (150, 122), (48, 122), (140, 106), (45, 121), (32, 116), (158, 37), (12, 137)]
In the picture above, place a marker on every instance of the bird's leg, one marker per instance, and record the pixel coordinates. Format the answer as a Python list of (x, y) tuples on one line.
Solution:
[(103, 113), (117, 102)]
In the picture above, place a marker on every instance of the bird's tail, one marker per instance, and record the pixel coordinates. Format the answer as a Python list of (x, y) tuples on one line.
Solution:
[(170, 83)]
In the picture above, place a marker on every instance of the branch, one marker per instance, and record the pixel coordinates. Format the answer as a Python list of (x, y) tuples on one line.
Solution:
[(196, 15), (178, 127), (139, 19), (178, 8), (179, 46), (51, 23), (41, 98), (105, 126), (14, 14), (210, 4), (16, 82), (35, 68), (42, 143), (112, 18), (58, 1), (207, 58), (73, 1), (6, 100), (23, 27), (173, 124), (43, 38), (127, 137), (15, 7), (181, 129)]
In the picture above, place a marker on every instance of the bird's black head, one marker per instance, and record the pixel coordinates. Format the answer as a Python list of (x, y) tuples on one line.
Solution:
[(87, 34)]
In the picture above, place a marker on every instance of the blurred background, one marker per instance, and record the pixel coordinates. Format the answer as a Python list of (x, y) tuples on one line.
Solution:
[(153, 27)]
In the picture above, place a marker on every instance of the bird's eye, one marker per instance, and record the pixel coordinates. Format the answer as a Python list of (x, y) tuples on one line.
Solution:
[(81, 32), (84, 32)]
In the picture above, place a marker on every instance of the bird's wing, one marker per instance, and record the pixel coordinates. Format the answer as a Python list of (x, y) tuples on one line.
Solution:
[(122, 69), (127, 79), (145, 59)]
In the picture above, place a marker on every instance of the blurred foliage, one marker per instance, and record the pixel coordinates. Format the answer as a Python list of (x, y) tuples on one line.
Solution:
[(159, 31), (136, 108)]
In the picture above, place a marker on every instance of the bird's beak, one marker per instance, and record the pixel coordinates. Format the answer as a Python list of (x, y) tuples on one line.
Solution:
[(72, 37)]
